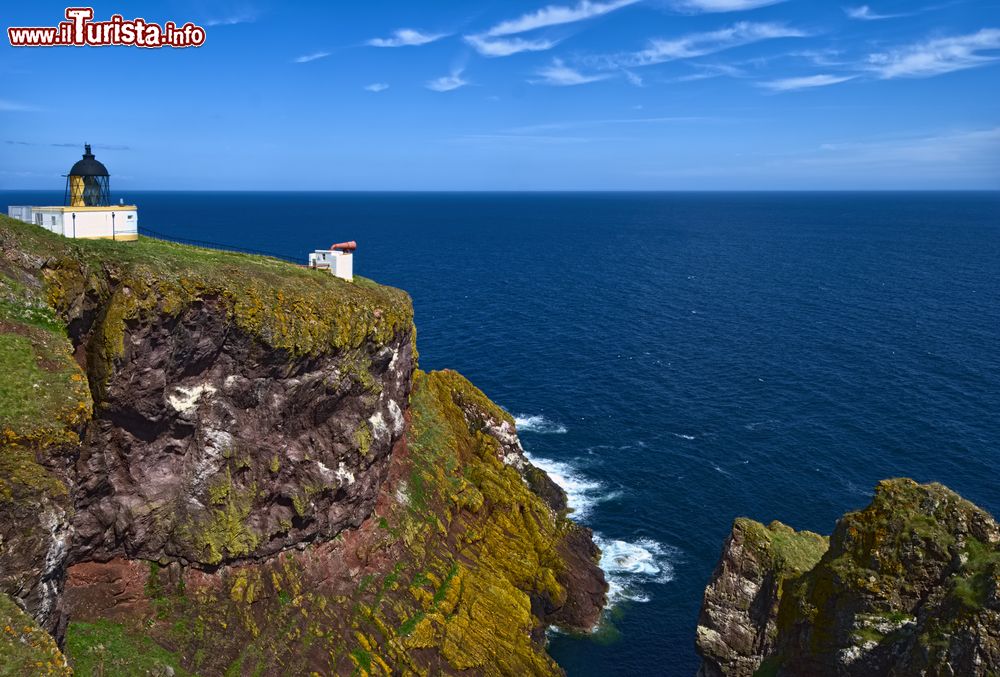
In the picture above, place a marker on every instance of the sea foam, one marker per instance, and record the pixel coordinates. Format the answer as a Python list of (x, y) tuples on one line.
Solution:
[(630, 566), (538, 424), (582, 493)]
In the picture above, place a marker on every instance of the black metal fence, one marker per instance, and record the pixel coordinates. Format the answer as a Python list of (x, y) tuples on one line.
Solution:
[(146, 232)]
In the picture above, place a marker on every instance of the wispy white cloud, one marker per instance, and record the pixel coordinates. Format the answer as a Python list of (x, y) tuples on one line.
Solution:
[(721, 5), (244, 17), (865, 13), (823, 58), (561, 75), (447, 83), (376, 87), (938, 56), (633, 79), (306, 58), (557, 15), (406, 37), (507, 46), (806, 82), (496, 41), (708, 71), (700, 44), (16, 107)]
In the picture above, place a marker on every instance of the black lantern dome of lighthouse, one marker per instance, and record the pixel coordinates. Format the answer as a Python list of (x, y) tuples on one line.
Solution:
[(88, 182)]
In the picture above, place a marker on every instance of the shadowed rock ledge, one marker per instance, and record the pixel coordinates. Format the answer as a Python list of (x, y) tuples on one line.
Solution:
[(908, 586)]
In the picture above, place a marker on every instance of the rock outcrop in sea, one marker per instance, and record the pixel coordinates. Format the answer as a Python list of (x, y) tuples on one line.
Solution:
[(908, 586), (215, 464)]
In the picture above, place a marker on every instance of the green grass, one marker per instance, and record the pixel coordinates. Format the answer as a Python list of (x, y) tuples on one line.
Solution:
[(798, 550), (41, 387), (363, 659), (24, 387), (791, 551), (972, 585), (289, 307), (897, 617), (106, 649), (869, 635)]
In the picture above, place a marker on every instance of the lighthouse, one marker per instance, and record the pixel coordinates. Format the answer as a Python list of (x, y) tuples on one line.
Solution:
[(87, 211), (88, 183)]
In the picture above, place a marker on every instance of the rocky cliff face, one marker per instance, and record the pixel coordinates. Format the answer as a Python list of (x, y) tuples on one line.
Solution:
[(908, 586), (737, 625), (231, 455), (209, 446)]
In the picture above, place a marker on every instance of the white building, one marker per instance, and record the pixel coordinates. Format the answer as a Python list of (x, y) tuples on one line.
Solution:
[(88, 212), (338, 259), (120, 222)]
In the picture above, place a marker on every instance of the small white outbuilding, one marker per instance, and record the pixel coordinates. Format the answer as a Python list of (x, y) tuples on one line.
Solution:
[(338, 259)]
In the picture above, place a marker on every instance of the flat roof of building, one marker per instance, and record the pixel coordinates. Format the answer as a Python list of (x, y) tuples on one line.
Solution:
[(61, 208)]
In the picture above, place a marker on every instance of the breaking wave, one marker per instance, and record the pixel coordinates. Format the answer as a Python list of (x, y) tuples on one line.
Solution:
[(538, 424), (630, 566), (582, 493)]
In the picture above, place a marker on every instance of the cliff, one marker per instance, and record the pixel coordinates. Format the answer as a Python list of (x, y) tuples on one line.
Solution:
[(908, 586), (230, 465)]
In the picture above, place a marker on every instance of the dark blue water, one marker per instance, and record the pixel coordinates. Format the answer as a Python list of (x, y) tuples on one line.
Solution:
[(682, 359)]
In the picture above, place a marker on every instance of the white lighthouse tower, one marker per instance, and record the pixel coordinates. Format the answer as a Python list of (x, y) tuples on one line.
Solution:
[(87, 211)]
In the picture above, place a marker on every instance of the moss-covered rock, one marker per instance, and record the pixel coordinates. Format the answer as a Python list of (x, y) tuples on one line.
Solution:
[(146, 375), (44, 405), (909, 585), (25, 648), (737, 624), (460, 570)]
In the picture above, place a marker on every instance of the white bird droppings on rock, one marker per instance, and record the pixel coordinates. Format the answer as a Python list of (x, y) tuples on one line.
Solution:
[(397, 417), (186, 399), (344, 475), (379, 428)]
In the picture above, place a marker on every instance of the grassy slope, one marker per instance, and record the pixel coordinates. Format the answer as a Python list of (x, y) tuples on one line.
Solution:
[(289, 307), (112, 650), (44, 397), (42, 390)]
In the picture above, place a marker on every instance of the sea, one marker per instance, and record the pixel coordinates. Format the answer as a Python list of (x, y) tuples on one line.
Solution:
[(676, 360)]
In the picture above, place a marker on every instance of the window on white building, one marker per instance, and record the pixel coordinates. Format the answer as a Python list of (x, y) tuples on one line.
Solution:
[(38, 219)]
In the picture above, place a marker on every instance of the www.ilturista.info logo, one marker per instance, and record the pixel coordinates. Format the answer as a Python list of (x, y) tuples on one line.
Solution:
[(79, 30)]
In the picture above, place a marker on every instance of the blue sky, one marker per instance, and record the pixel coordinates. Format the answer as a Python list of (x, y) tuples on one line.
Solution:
[(516, 95)]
